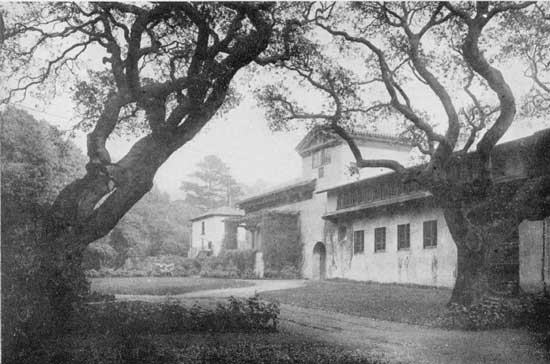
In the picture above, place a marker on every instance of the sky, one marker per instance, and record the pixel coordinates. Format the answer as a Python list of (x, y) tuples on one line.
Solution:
[(241, 137)]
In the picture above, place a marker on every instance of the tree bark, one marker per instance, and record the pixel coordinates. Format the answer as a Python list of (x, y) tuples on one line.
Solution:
[(86, 210), (472, 283)]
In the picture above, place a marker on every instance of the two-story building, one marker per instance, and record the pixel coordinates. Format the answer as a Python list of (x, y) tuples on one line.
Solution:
[(372, 227)]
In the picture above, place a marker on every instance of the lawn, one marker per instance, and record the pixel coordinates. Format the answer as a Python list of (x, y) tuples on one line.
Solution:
[(161, 285), (205, 348), (392, 302)]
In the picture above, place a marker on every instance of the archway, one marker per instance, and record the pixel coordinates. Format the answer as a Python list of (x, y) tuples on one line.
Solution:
[(319, 261)]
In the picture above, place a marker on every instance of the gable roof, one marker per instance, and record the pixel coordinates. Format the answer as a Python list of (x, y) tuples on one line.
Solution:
[(292, 187), (321, 137), (220, 211)]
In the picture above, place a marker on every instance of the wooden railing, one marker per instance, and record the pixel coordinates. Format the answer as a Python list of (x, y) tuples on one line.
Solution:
[(461, 170), (362, 194)]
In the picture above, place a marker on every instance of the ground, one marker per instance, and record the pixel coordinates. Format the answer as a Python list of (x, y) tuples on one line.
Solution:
[(408, 304), (395, 341)]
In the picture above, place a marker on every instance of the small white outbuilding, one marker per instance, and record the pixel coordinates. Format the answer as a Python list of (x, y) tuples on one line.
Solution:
[(208, 230)]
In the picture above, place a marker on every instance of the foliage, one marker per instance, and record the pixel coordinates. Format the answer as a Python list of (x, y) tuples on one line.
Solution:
[(155, 226), (36, 162), (235, 315), (528, 311), (229, 264), (161, 69), (215, 348), (281, 245), (373, 65), (212, 185), (287, 272)]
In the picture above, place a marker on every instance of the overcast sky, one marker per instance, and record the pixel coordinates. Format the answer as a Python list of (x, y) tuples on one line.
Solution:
[(241, 137)]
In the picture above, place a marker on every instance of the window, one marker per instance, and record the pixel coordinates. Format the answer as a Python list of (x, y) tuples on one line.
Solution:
[(320, 158), (430, 233), (202, 227), (358, 241), (321, 172), (342, 232), (403, 236), (210, 245), (380, 239)]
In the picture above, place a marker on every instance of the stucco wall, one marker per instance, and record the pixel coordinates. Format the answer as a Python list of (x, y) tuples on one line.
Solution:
[(336, 172), (418, 265), (311, 226), (534, 255), (213, 231)]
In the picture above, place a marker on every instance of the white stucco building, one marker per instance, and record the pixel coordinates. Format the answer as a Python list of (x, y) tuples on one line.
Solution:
[(372, 227), (208, 231)]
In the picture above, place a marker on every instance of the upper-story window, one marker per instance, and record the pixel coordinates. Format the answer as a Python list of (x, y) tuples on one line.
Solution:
[(320, 158), (202, 228)]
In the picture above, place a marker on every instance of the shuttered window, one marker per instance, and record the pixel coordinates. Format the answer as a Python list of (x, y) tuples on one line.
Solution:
[(380, 239), (403, 236), (430, 233), (358, 241)]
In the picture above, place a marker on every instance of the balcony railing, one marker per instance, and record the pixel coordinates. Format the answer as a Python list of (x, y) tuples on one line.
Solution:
[(362, 194)]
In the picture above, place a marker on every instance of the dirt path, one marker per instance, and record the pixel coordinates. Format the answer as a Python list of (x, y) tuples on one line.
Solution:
[(415, 344), (259, 285), (397, 342)]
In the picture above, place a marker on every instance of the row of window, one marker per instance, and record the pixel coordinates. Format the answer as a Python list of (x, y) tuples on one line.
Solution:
[(403, 237)]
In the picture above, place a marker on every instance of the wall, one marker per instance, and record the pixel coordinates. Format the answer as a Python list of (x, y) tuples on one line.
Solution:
[(336, 172), (418, 265), (534, 255), (214, 232), (311, 226)]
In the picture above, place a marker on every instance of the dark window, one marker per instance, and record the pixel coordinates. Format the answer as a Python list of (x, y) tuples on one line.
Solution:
[(358, 241), (320, 158), (321, 172), (210, 245), (403, 236), (380, 239), (342, 231), (202, 227), (430, 233)]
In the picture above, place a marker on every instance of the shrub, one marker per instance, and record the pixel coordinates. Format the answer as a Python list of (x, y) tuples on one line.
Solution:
[(287, 272), (229, 264), (122, 318), (529, 311)]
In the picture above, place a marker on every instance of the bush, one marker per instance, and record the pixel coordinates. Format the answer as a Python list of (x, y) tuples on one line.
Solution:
[(287, 272), (532, 312), (236, 315), (229, 264)]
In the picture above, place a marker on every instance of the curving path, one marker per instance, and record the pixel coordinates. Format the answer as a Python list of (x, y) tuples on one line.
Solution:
[(394, 341), (259, 285)]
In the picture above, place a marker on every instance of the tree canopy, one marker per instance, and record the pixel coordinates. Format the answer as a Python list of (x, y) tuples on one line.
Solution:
[(211, 185), (36, 160), (428, 69)]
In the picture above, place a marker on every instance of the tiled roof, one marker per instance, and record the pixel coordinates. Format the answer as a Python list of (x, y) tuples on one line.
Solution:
[(220, 211)]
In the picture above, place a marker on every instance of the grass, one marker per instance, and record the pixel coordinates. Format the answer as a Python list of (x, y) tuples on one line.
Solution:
[(204, 348), (161, 285), (392, 302), (140, 332)]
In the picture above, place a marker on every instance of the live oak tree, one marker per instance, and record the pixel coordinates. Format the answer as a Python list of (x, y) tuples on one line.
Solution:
[(387, 58), (531, 43), (161, 69)]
